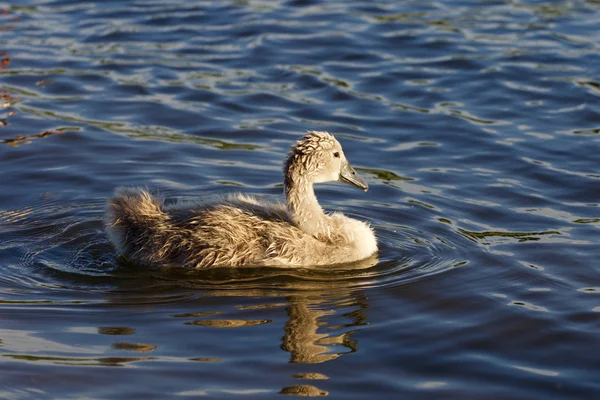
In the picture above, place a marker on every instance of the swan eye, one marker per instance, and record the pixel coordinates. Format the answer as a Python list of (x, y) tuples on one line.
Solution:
[(336, 154)]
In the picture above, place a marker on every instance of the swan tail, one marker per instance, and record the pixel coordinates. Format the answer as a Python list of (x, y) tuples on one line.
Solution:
[(137, 224)]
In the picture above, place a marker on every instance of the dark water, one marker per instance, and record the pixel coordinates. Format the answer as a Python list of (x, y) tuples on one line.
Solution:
[(476, 124)]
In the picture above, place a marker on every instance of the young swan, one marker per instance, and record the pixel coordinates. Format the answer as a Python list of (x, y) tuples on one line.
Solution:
[(241, 230)]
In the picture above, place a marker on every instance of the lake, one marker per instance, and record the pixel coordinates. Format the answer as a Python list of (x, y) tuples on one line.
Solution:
[(476, 125)]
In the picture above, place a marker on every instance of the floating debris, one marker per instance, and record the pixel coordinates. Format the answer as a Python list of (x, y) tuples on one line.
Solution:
[(7, 100), (26, 139)]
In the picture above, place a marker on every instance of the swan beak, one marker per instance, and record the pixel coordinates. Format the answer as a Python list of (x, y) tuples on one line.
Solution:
[(350, 176)]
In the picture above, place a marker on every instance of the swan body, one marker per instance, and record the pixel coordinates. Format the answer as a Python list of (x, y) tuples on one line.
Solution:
[(239, 230)]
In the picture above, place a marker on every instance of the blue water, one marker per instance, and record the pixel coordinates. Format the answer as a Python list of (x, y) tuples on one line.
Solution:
[(475, 123)]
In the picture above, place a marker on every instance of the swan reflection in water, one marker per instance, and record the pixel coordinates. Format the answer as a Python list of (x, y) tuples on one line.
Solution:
[(323, 307), (313, 297)]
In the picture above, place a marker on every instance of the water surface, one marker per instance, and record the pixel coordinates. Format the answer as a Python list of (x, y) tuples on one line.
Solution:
[(475, 123)]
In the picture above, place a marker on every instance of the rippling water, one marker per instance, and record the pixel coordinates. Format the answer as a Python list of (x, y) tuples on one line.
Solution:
[(475, 123)]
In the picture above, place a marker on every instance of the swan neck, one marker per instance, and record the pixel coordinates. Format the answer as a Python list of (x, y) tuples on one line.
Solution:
[(304, 208)]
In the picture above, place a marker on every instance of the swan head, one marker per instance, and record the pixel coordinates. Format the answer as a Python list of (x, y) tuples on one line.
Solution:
[(318, 157)]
